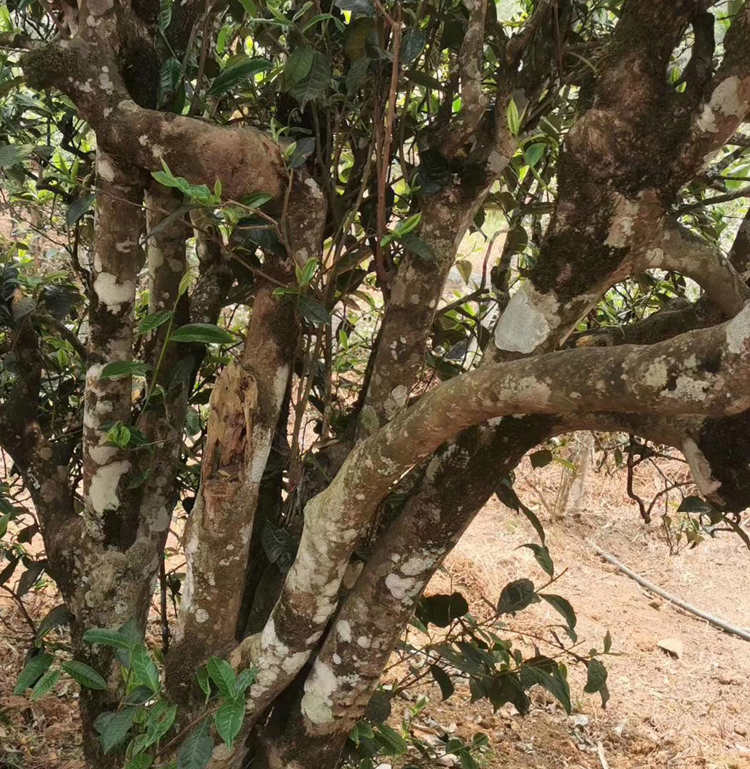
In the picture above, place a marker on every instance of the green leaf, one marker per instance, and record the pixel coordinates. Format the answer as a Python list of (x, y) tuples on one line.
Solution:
[(204, 681), (464, 268), (153, 321), (206, 333), (13, 154), (393, 743), (113, 727), (379, 707), (694, 505), (121, 368), (302, 150), (315, 85), (541, 458), (119, 435), (195, 752), (298, 66), (159, 722), (30, 576), (144, 668), (222, 674), (313, 311), (361, 731), (106, 637), (185, 283), (513, 118), (4, 521), (607, 643), (516, 596), (257, 200), (407, 225), (443, 680), (504, 688), (34, 670), (229, 718), (165, 14), (507, 495), (139, 696), (356, 74), (246, 678), (169, 79), (197, 192), (59, 615), (441, 610), (545, 672), (561, 605), (543, 558), (305, 274), (412, 45), (596, 679), (417, 246), (425, 80), (45, 684), (235, 74), (534, 153), (78, 208), (141, 761), (85, 675)]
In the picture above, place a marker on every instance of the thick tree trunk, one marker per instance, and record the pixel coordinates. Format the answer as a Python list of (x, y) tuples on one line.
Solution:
[(245, 407), (370, 621)]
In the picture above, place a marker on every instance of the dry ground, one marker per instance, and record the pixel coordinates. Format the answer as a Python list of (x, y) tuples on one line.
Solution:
[(672, 713)]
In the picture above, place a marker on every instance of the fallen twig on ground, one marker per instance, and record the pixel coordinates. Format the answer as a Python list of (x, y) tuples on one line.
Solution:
[(710, 618)]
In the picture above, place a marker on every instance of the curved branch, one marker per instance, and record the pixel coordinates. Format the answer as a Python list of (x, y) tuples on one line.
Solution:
[(717, 119), (680, 251), (628, 379)]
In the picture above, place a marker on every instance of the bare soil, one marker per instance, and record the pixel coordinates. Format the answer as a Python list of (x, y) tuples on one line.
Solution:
[(691, 712), (665, 712)]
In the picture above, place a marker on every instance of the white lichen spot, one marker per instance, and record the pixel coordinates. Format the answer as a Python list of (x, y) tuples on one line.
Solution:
[(689, 389), (399, 395), (738, 332), (496, 162), (533, 391), (527, 321), (102, 454), (105, 81), (105, 170), (622, 223), (317, 702), (344, 630), (727, 98), (656, 374), (113, 293), (416, 565), (364, 642), (124, 246), (400, 587), (103, 487), (706, 122), (201, 616)]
